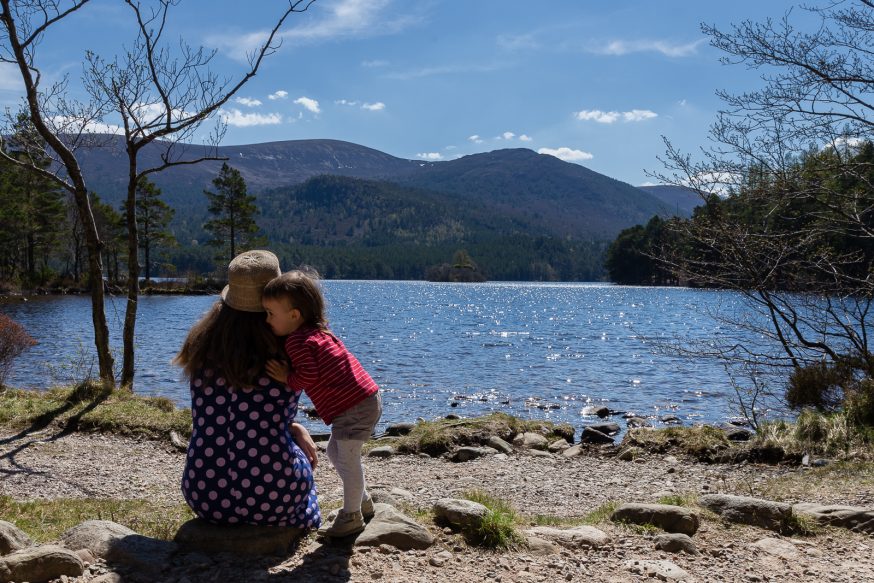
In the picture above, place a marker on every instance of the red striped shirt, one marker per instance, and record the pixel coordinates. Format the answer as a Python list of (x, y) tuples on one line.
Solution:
[(330, 375)]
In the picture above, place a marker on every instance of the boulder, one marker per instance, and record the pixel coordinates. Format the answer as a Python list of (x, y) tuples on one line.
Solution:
[(668, 517), (630, 454), (530, 440), (663, 570), (120, 545), (579, 537), (462, 514), (12, 538), (40, 563), (675, 542), (573, 451), (467, 453), (541, 547), (734, 433), (389, 527), (382, 451), (605, 428), (398, 429), (559, 445), (671, 420), (241, 539), (851, 517), (602, 412), (635, 422), (590, 435), (748, 510), (499, 444)]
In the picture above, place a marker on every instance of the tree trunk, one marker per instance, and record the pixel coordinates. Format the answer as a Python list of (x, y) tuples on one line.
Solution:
[(95, 274), (133, 276)]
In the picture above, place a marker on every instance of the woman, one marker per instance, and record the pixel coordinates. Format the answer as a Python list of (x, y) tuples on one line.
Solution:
[(248, 462)]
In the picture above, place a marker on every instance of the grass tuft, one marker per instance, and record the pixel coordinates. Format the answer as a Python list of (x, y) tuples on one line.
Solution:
[(498, 528), (602, 513), (687, 500), (701, 442)]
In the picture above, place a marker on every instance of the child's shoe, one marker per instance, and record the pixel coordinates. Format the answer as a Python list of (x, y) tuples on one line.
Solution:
[(346, 524), (367, 510)]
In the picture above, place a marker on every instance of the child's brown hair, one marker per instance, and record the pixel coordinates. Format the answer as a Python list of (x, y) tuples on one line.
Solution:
[(301, 289)]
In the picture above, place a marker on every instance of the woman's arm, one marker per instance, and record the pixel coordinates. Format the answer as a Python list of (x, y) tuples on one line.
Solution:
[(302, 438)]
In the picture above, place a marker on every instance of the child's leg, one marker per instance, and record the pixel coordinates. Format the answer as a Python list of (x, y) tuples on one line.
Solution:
[(345, 454)]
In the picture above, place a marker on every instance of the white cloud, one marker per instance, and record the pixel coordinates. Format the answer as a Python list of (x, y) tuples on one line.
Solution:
[(309, 104), (235, 117), (73, 125), (248, 101), (430, 156), (638, 115), (338, 20), (597, 115), (374, 63), (847, 141), (278, 95), (378, 106), (475, 139), (566, 154), (647, 183), (524, 138), (609, 117), (518, 42), (682, 103), (508, 135), (346, 102), (624, 47), (445, 70)]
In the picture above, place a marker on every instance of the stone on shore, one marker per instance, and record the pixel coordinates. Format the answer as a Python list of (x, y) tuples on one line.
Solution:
[(12, 538), (675, 542), (605, 428), (390, 527), (382, 451), (398, 429), (40, 563), (747, 510), (573, 451), (461, 514), (590, 435), (668, 517), (120, 545), (241, 539), (467, 453), (851, 517), (663, 570), (579, 537), (499, 444), (777, 547), (531, 440)]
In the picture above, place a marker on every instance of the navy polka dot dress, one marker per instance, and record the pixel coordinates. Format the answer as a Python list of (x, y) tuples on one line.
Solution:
[(243, 466)]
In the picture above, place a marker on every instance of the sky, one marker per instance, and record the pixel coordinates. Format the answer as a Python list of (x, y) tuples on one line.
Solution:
[(594, 82)]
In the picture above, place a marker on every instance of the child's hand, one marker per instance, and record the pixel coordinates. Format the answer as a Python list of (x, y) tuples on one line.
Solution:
[(277, 370)]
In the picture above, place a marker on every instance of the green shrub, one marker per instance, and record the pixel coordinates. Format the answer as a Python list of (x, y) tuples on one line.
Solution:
[(820, 385)]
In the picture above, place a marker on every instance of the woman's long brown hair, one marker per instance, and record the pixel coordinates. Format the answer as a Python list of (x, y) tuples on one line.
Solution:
[(238, 343)]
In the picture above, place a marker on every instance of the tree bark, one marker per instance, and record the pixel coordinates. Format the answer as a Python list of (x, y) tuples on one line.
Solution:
[(133, 273)]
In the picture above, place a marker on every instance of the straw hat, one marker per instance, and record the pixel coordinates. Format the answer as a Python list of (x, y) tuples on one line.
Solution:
[(248, 273)]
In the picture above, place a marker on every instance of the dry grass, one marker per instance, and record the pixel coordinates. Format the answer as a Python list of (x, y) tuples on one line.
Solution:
[(701, 442), (46, 520)]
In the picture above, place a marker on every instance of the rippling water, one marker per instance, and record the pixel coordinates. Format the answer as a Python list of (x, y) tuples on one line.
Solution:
[(532, 350)]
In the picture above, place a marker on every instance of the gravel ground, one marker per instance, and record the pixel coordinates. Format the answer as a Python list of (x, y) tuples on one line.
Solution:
[(100, 466)]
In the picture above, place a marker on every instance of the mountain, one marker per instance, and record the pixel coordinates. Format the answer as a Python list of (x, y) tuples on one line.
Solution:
[(554, 196), (547, 194), (263, 166), (678, 200), (355, 212)]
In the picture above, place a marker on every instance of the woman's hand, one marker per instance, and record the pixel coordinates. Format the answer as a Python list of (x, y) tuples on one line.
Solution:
[(306, 443), (278, 371)]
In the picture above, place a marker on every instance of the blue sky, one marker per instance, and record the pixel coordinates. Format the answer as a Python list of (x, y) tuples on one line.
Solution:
[(593, 82)]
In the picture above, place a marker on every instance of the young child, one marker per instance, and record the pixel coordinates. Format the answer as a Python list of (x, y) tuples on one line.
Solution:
[(344, 395)]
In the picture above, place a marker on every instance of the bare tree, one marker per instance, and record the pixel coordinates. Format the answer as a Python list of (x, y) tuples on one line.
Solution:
[(793, 226), (161, 92)]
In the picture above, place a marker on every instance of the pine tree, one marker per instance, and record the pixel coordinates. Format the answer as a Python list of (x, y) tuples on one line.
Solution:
[(153, 216), (234, 226)]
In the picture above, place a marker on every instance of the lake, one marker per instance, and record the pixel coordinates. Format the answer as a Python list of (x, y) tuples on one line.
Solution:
[(535, 350)]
